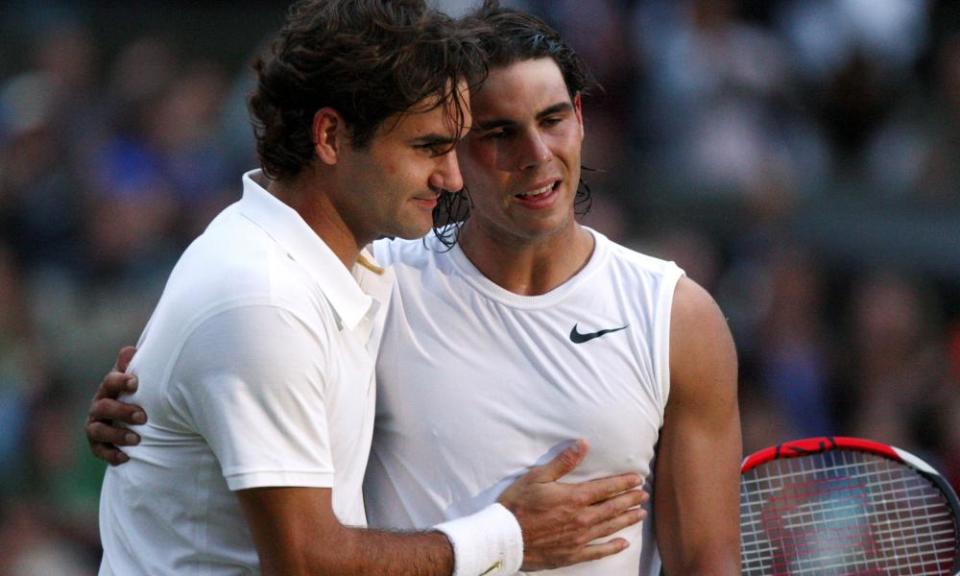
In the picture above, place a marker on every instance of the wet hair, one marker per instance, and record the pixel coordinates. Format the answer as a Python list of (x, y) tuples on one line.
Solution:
[(508, 36), (367, 59)]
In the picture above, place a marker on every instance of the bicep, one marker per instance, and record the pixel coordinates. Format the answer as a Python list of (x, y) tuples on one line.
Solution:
[(697, 481)]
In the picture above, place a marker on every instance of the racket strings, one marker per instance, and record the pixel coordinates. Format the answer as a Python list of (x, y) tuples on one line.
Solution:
[(844, 513)]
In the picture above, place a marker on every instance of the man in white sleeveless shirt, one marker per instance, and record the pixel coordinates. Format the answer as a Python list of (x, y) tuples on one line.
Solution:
[(534, 330)]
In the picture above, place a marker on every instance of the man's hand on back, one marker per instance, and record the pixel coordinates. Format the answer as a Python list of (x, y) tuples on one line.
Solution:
[(107, 418)]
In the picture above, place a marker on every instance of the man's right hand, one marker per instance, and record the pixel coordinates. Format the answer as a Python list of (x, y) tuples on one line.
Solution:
[(106, 421), (559, 521)]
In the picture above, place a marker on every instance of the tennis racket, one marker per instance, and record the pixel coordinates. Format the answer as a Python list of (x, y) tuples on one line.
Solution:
[(845, 507)]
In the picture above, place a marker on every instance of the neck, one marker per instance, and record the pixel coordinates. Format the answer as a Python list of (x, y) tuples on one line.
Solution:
[(307, 195), (528, 267)]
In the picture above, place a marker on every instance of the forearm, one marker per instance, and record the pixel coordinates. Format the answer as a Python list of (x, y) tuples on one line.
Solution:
[(363, 552), (487, 542), (698, 538), (697, 501), (297, 534)]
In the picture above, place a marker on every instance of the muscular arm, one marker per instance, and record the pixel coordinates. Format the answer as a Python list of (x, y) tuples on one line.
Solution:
[(295, 528), (296, 533), (696, 496)]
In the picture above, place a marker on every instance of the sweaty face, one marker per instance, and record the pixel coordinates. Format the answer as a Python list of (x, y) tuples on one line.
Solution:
[(521, 160), (394, 182)]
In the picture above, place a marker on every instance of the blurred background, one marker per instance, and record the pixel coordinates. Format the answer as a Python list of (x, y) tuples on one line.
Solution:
[(799, 158)]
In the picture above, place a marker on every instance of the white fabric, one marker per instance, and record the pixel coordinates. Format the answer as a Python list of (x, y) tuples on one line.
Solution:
[(256, 369), (477, 383), (488, 542)]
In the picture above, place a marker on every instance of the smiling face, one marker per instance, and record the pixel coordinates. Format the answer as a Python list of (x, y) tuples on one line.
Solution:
[(390, 187), (521, 160)]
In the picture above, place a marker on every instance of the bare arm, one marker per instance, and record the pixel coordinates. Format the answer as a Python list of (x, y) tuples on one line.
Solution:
[(296, 532), (558, 520), (696, 496)]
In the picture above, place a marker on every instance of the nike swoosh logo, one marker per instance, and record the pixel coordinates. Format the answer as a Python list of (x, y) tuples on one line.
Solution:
[(579, 338)]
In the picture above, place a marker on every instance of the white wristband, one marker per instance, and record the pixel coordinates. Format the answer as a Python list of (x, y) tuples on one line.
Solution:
[(488, 543)]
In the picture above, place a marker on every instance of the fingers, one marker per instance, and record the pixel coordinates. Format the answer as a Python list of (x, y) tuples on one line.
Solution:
[(597, 551), (103, 437), (112, 455), (99, 433), (535, 560), (104, 440), (594, 491), (124, 357), (600, 520), (107, 409), (561, 464), (116, 383), (615, 506), (583, 546), (615, 524)]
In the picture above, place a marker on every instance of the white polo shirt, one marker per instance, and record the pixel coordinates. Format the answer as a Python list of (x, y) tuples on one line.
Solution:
[(257, 369)]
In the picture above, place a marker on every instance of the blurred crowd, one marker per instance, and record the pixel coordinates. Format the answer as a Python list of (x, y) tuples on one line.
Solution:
[(799, 158)]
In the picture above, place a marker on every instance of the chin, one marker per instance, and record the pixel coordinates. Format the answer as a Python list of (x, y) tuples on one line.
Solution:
[(412, 230), (551, 226)]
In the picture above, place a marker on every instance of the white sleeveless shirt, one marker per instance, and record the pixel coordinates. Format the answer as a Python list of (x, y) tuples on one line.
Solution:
[(476, 384)]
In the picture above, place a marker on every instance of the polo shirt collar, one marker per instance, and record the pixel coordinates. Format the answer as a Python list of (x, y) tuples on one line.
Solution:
[(294, 235)]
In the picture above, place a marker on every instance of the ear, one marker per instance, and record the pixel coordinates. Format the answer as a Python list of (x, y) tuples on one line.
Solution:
[(329, 135), (578, 110)]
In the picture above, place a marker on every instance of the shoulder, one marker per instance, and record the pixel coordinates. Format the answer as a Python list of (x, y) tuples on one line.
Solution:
[(229, 251), (227, 274), (260, 340), (236, 261), (627, 258), (415, 253), (702, 353)]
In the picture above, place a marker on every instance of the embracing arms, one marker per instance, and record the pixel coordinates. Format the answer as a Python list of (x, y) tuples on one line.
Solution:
[(296, 532)]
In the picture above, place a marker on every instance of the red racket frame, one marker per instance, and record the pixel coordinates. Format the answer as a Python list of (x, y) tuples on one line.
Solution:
[(821, 444)]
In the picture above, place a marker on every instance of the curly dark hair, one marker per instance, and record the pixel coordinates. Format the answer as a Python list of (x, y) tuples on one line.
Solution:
[(367, 59), (508, 36)]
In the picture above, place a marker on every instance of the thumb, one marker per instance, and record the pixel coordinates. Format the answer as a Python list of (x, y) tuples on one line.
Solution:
[(124, 357), (561, 464)]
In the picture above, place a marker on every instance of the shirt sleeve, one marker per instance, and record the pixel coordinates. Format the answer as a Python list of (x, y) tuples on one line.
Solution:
[(253, 382)]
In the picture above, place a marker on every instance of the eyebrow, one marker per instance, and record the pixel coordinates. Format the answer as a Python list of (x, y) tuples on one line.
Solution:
[(501, 122), (434, 140)]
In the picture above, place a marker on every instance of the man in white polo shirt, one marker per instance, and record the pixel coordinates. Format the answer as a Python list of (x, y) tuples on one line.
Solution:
[(257, 364)]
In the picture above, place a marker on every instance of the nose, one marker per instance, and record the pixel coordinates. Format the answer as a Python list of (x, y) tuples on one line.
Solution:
[(446, 175), (533, 151)]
